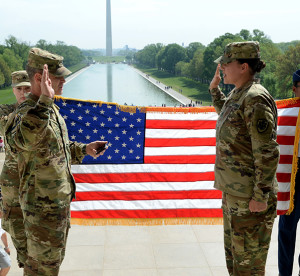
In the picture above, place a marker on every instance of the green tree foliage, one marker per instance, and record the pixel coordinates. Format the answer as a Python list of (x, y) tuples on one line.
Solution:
[(18, 47), (14, 61), (147, 56), (283, 46), (168, 56), (5, 73), (288, 63), (13, 56), (72, 55), (192, 48)]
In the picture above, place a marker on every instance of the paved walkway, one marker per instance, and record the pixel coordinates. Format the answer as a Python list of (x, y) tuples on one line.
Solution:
[(174, 94), (183, 250)]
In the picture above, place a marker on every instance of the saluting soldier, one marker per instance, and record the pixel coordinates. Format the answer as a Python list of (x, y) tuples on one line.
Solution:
[(12, 217), (39, 137), (247, 156)]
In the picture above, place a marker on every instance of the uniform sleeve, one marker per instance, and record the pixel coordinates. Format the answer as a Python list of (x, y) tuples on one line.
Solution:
[(5, 110), (31, 123), (218, 98), (78, 152), (261, 120)]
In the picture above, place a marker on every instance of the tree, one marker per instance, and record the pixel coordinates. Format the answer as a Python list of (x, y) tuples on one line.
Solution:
[(287, 64), (14, 62), (192, 48), (4, 69), (170, 55), (245, 34)]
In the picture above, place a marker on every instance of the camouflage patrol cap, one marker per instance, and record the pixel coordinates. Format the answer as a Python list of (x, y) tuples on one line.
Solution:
[(239, 50), (20, 78), (38, 57), (296, 76)]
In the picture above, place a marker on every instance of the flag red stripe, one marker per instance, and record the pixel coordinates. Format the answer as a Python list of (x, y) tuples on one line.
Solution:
[(283, 196), (180, 124), (286, 159), (164, 213), (149, 195), (169, 142), (283, 177), (281, 212), (287, 120), (181, 159), (285, 140), (142, 177)]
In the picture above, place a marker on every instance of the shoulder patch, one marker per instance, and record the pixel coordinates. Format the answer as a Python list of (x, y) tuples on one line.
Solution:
[(262, 125)]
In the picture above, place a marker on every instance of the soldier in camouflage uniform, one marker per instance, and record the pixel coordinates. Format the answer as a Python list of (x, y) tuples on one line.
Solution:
[(12, 217), (247, 156), (39, 138)]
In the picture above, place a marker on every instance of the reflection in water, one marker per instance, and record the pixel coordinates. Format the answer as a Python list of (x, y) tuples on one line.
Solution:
[(109, 83), (116, 83)]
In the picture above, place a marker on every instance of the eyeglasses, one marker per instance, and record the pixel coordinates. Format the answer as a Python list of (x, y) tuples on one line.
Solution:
[(297, 86)]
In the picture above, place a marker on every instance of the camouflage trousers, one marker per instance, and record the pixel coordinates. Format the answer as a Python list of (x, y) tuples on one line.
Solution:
[(247, 235), (12, 221), (47, 233)]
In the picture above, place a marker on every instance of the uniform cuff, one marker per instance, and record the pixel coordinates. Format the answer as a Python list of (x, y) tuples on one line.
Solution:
[(45, 101), (214, 91)]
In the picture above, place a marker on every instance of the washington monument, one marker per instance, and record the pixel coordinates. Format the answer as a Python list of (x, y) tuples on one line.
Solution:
[(108, 30)]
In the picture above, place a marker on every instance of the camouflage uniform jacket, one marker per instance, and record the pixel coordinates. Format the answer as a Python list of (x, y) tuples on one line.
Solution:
[(9, 177), (39, 137), (247, 153), (6, 111)]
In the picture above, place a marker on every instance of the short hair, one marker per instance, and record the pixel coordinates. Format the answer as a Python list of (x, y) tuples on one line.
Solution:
[(295, 83), (32, 71)]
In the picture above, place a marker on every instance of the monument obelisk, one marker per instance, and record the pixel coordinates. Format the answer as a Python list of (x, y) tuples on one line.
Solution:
[(108, 30)]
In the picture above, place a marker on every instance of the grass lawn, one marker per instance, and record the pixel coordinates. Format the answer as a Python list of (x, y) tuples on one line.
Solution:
[(77, 67), (7, 96), (190, 88), (105, 59)]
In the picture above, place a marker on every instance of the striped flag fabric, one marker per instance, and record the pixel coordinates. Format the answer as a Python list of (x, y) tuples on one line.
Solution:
[(288, 140), (160, 161)]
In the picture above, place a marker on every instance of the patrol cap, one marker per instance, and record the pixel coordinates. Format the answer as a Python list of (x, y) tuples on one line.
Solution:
[(239, 50), (20, 78), (296, 76), (38, 57)]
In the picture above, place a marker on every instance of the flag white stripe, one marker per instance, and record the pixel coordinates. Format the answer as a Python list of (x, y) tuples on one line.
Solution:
[(284, 168), (145, 204), (286, 150), (142, 168), (164, 151), (180, 133), (283, 205), (284, 186), (293, 111), (210, 116), (145, 186), (286, 130)]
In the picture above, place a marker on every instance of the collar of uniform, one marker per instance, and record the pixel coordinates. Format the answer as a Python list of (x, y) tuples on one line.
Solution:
[(244, 87)]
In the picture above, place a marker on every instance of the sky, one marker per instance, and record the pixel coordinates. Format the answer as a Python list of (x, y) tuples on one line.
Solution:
[(137, 23)]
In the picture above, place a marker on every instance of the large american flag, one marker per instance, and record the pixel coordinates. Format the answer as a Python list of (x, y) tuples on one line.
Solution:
[(159, 162)]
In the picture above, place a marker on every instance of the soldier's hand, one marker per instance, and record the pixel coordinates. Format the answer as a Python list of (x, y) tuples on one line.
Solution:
[(97, 148), (46, 85), (216, 79), (256, 206)]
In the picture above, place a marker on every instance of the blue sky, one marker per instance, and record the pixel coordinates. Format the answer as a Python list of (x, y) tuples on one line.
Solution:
[(137, 23)]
